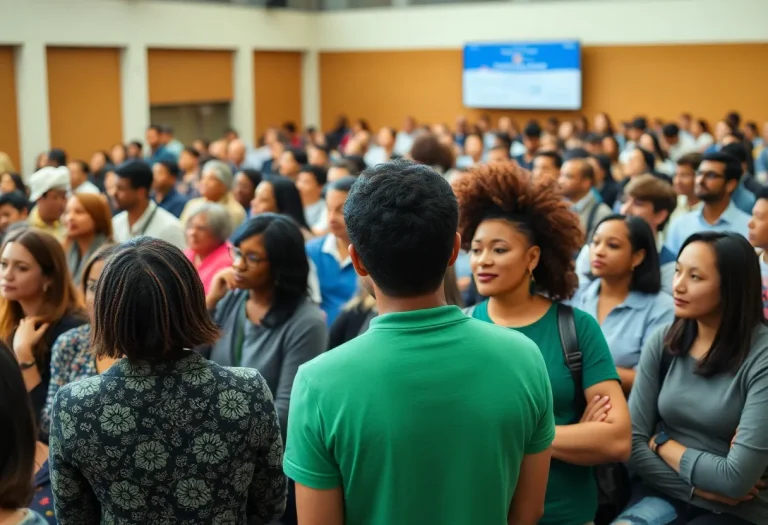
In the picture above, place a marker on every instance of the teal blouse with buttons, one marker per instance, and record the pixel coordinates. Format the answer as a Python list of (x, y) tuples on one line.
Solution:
[(630, 324)]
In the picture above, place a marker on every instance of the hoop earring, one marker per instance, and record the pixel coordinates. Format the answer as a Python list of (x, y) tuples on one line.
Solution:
[(532, 284)]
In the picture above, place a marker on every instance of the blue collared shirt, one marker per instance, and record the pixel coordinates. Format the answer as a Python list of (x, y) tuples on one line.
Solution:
[(173, 203), (629, 325), (732, 219)]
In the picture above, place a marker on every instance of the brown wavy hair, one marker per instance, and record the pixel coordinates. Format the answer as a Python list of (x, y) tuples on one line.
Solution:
[(508, 191), (60, 298)]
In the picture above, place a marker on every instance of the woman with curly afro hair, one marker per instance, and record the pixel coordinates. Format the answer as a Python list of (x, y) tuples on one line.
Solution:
[(522, 238)]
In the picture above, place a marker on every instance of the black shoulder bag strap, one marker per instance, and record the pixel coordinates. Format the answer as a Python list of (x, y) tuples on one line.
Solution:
[(566, 325)]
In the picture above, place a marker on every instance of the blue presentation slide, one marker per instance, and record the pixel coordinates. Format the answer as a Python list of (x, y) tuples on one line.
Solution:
[(522, 75)]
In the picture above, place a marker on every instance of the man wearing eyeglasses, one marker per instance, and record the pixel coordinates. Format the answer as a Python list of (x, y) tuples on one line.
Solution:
[(716, 179)]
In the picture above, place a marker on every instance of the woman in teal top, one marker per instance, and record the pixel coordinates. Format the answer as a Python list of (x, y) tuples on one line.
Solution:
[(522, 238)]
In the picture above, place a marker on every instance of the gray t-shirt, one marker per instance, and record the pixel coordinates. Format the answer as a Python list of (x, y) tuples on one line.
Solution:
[(703, 414), (276, 352)]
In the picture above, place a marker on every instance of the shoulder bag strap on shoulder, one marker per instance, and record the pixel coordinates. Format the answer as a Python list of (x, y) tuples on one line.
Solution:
[(566, 326)]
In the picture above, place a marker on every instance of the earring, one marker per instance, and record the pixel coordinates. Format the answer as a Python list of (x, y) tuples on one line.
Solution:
[(532, 284)]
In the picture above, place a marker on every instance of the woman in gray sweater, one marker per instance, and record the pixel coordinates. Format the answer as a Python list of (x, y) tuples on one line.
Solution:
[(698, 407), (262, 307)]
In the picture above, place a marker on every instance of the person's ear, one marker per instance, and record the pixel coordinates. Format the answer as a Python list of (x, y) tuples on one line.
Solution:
[(534, 254), (456, 249), (637, 259), (357, 263)]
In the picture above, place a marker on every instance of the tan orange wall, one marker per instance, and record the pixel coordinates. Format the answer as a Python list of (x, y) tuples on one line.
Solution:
[(84, 99), (189, 76), (277, 88), (9, 123), (658, 81)]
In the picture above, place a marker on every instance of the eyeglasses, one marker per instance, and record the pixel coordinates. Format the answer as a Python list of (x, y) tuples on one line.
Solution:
[(709, 175), (251, 259)]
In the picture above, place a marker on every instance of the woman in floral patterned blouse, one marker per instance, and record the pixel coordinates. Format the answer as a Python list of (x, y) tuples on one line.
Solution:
[(163, 436), (71, 356)]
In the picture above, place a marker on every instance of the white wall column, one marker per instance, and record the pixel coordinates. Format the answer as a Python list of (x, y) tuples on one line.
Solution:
[(134, 80), (32, 100), (242, 111), (310, 88)]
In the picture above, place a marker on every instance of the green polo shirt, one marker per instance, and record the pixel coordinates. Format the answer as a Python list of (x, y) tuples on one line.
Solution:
[(572, 490), (425, 418)]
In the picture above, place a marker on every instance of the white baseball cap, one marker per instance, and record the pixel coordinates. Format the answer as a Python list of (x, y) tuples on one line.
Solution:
[(46, 179)]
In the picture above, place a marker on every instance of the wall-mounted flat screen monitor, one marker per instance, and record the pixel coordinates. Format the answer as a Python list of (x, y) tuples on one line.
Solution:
[(522, 75)]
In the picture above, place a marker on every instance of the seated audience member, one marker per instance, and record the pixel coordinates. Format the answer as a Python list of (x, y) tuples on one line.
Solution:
[(575, 183), (221, 437), (18, 454), (653, 200), (48, 188), (639, 162), (546, 166), (431, 356), (521, 238), (330, 254), (208, 228), (341, 168), (71, 356), (701, 135), (684, 183), (99, 165), (319, 155), (244, 189), (12, 182), (758, 237), (384, 149), (405, 137), (157, 151), (261, 304), (593, 144), (498, 154), (357, 164), (626, 297), (427, 149), (531, 141), (716, 180), (165, 177), (6, 164), (311, 185), (57, 158), (189, 166), (139, 214), (473, 152), (38, 303), (78, 178), (134, 151), (280, 195), (110, 190), (236, 154), (744, 194), (172, 144), (216, 186), (605, 185), (88, 221), (677, 143), (14, 208), (291, 162), (699, 428), (355, 317)]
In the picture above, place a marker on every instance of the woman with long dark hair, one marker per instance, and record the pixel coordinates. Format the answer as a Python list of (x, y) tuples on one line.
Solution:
[(626, 297), (699, 424), (261, 304), (163, 435), (280, 195)]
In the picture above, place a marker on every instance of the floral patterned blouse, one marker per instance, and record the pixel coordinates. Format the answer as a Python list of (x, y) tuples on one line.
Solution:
[(184, 442), (71, 360)]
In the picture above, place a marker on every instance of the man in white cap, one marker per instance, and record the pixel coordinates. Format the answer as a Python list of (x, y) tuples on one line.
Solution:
[(216, 186), (48, 188)]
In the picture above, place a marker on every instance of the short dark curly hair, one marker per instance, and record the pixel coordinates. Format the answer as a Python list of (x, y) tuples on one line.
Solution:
[(536, 208)]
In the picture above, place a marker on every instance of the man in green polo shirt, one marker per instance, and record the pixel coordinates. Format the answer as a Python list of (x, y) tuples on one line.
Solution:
[(430, 417)]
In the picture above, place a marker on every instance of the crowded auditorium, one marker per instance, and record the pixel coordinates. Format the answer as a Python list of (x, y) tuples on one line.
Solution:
[(383, 262)]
